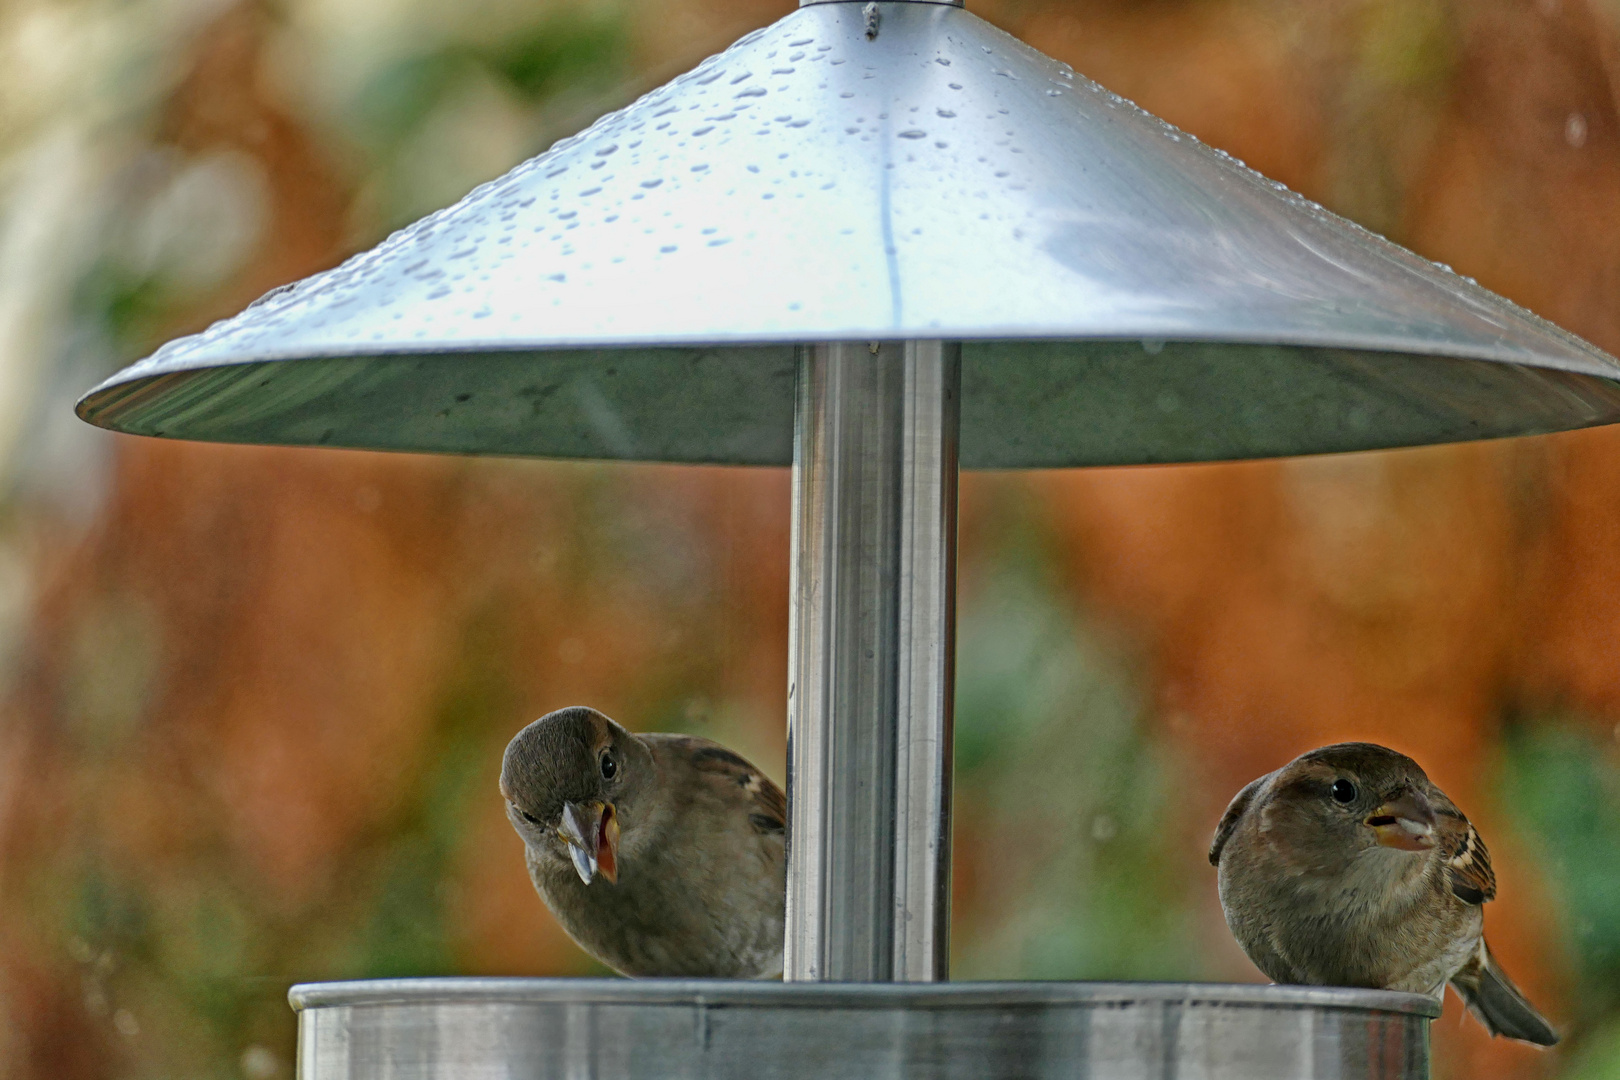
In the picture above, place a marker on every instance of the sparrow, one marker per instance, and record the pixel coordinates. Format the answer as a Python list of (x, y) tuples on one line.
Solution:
[(1348, 867), (661, 855)]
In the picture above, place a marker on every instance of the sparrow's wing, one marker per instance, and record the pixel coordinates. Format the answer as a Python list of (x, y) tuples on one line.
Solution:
[(1468, 864), (767, 805)]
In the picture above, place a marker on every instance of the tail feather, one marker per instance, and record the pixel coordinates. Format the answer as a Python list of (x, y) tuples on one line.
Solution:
[(1491, 996)]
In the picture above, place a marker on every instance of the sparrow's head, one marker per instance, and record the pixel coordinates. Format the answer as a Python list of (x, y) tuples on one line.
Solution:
[(1334, 804), (564, 778), (1358, 797)]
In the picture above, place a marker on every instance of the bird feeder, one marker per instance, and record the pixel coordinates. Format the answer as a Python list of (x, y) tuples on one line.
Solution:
[(879, 242)]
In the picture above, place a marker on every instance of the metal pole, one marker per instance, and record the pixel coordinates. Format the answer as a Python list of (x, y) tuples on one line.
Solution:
[(872, 662)]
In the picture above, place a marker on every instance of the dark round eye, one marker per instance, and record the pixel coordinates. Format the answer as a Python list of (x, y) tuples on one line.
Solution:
[(1343, 791), (530, 818), (609, 768)]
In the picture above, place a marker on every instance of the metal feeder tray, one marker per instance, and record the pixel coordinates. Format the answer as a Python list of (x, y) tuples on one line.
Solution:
[(595, 1029)]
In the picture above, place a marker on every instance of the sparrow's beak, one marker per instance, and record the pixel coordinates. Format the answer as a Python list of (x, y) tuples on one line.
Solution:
[(1406, 823), (591, 831)]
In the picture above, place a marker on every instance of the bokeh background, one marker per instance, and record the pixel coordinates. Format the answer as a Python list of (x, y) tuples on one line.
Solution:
[(252, 701)]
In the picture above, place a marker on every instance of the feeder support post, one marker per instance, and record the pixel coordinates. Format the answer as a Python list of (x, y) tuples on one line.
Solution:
[(872, 661)]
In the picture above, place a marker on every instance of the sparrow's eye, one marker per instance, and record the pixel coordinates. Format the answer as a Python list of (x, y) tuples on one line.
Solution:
[(1343, 791), (609, 768), (530, 818)]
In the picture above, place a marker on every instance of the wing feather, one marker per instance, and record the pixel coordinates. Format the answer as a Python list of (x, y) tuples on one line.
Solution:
[(769, 805), (1468, 863)]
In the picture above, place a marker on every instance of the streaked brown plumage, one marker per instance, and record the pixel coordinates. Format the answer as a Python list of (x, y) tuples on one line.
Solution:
[(659, 854), (1348, 867)]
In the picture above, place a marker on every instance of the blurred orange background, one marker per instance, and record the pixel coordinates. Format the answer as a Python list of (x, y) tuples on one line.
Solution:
[(254, 699)]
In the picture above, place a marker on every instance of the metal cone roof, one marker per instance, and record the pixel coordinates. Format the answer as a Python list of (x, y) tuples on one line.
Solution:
[(1124, 293)]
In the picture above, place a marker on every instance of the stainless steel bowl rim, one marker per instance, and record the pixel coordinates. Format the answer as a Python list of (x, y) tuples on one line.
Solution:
[(733, 993)]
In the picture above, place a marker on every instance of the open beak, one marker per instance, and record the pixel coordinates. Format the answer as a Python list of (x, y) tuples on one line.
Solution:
[(591, 831), (1406, 823)]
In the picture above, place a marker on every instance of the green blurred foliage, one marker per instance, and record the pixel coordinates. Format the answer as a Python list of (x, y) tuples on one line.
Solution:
[(1598, 1056), (1062, 791), (1562, 784), (435, 120), (574, 49), (407, 931)]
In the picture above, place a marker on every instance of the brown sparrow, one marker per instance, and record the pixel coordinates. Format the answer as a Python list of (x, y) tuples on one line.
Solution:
[(1348, 867), (658, 854)]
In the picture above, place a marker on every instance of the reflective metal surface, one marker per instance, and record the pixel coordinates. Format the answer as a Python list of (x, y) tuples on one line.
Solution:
[(871, 662), (637, 291), (578, 1029), (925, 681)]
